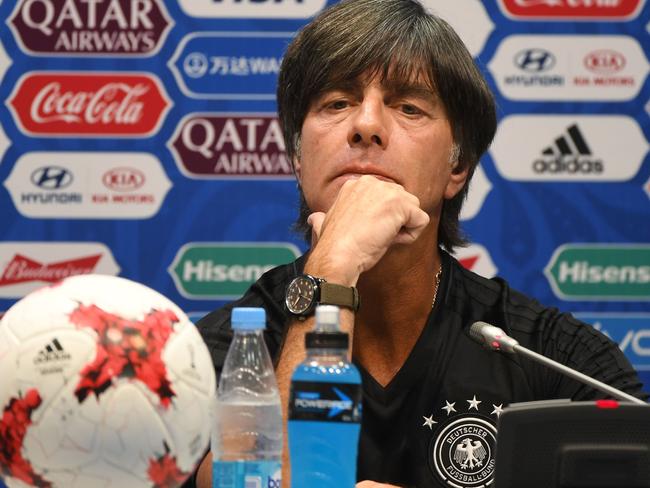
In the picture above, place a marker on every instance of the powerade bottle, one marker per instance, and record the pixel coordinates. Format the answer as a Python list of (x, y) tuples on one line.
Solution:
[(325, 409), (247, 435)]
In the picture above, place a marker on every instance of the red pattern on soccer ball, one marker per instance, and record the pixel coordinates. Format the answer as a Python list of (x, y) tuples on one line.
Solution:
[(164, 472), (17, 416), (125, 349)]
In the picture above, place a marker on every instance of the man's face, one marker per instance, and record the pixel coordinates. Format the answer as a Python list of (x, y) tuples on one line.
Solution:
[(397, 133)]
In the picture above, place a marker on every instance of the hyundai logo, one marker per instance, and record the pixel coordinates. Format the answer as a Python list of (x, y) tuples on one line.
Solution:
[(535, 60), (52, 177)]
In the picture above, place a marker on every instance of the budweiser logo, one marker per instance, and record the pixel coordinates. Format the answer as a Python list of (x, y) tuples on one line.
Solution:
[(89, 104), (117, 27), (615, 9), (22, 269)]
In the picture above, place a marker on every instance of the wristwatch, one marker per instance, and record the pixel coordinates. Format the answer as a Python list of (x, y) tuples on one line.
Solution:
[(306, 291)]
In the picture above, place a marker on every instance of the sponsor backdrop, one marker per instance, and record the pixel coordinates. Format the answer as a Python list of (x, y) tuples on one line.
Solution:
[(139, 138)]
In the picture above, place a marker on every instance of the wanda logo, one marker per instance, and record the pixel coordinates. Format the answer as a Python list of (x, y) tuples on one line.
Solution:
[(89, 104), (572, 9)]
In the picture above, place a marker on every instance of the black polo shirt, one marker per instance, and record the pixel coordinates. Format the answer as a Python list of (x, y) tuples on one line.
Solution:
[(434, 424)]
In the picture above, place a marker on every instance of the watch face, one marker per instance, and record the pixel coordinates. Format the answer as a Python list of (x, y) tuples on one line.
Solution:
[(300, 295)]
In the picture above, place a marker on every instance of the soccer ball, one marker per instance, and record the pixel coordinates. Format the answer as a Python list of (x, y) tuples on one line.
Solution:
[(103, 383)]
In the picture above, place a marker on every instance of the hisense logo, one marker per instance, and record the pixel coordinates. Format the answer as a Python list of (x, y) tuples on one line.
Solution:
[(226, 269), (585, 272), (600, 271), (206, 270)]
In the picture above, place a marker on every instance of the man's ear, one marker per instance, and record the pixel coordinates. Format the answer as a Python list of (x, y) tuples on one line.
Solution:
[(457, 179), (297, 168)]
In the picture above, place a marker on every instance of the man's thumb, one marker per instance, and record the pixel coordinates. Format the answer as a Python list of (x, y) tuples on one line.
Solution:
[(315, 220)]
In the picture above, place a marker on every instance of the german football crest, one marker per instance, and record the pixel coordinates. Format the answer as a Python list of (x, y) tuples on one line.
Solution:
[(462, 448)]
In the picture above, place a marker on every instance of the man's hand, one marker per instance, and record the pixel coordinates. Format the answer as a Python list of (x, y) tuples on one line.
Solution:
[(368, 216), (374, 484)]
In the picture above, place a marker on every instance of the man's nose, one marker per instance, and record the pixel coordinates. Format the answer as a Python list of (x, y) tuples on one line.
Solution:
[(369, 124)]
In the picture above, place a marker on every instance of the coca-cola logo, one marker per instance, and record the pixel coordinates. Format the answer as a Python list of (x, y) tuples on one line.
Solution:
[(604, 61), (123, 179), (22, 269), (116, 27), (89, 104), (572, 9), (230, 145)]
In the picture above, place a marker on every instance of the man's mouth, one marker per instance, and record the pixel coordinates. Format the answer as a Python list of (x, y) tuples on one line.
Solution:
[(353, 172)]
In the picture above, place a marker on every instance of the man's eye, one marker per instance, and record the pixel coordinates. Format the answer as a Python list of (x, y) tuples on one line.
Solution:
[(410, 109), (338, 104)]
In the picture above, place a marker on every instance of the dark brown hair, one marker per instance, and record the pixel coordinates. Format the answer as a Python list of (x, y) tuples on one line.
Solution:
[(396, 39)]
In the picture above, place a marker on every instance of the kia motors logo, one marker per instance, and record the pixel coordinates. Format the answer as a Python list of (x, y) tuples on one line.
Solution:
[(123, 179), (83, 27), (604, 61), (570, 67), (52, 178), (230, 145), (70, 104), (571, 9), (535, 60), (117, 185)]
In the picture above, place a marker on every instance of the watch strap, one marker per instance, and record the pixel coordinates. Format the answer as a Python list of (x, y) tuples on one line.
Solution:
[(342, 296)]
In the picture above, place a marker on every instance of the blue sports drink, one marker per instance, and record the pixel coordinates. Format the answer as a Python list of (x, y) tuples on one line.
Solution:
[(325, 409)]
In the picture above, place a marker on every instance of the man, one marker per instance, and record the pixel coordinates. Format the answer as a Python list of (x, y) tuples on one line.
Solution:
[(385, 117)]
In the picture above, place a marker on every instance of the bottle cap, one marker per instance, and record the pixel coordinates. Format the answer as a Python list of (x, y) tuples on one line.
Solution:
[(248, 318), (327, 318)]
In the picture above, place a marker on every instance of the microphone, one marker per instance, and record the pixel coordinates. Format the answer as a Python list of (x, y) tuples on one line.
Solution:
[(496, 339)]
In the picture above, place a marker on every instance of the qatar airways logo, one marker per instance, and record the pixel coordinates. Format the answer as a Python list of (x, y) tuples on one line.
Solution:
[(229, 145), (89, 104), (572, 9), (82, 27)]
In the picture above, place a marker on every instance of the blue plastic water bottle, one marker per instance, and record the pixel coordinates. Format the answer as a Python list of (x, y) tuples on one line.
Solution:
[(247, 432), (325, 409)]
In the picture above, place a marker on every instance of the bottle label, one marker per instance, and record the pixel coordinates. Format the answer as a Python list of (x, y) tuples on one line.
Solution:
[(328, 402), (246, 474)]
